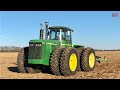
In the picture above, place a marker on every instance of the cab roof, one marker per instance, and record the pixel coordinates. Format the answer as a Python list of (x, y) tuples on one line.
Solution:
[(61, 27)]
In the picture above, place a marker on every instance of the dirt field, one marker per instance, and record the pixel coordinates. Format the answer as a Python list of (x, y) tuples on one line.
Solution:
[(105, 70)]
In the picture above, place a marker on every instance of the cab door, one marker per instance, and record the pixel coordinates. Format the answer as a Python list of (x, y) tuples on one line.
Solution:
[(68, 38)]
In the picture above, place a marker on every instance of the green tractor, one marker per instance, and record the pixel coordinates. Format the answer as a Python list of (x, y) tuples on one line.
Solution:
[(56, 52)]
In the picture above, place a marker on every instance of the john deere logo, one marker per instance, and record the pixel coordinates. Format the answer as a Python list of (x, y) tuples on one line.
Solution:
[(114, 14)]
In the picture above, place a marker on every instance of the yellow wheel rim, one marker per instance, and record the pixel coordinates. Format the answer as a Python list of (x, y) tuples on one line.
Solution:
[(73, 62), (91, 60)]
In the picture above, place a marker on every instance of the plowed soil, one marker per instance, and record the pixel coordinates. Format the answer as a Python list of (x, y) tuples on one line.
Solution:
[(104, 70)]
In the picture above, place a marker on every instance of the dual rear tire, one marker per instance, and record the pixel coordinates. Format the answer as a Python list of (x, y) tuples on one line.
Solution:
[(87, 60)]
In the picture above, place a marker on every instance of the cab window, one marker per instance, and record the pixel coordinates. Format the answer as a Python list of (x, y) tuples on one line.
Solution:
[(52, 33)]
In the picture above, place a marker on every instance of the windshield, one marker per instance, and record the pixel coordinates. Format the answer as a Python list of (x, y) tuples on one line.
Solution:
[(56, 35), (52, 35), (59, 34)]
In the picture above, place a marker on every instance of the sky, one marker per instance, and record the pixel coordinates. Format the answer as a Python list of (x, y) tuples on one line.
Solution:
[(96, 29)]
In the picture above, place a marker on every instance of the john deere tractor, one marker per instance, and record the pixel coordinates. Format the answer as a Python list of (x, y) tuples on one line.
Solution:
[(57, 52)]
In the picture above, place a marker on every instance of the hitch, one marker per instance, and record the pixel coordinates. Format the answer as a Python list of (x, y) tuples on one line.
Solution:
[(101, 59)]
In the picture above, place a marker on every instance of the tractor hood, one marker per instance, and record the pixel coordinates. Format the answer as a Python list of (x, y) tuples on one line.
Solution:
[(44, 41)]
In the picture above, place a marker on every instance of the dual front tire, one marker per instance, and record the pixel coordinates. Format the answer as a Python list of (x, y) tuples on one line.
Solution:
[(70, 60)]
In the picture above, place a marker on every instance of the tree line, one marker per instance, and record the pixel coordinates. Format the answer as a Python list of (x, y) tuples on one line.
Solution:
[(9, 49), (107, 50)]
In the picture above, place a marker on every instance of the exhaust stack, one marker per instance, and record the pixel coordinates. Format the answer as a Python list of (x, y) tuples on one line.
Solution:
[(46, 35)]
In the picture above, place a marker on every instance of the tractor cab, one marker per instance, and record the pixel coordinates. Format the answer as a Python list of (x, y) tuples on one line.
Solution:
[(60, 33)]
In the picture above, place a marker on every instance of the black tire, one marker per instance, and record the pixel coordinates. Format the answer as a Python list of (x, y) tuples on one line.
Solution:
[(64, 62), (22, 60), (84, 64), (79, 50), (54, 61)]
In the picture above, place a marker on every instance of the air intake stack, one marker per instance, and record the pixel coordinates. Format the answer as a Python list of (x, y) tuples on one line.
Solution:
[(41, 31)]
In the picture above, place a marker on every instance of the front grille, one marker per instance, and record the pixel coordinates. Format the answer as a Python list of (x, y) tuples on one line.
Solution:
[(35, 50)]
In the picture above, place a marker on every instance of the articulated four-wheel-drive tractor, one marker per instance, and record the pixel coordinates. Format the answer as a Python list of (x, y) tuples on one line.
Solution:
[(57, 52)]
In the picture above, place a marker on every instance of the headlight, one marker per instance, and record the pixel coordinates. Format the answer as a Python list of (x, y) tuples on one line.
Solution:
[(38, 45)]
